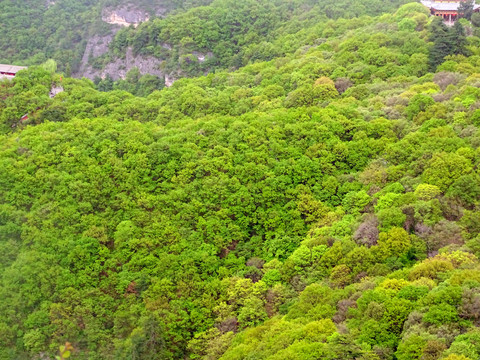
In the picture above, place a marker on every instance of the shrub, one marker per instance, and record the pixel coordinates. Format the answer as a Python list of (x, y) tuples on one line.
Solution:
[(430, 268), (445, 168), (446, 78), (342, 84), (441, 314), (393, 217), (418, 104), (367, 232), (395, 242), (427, 192)]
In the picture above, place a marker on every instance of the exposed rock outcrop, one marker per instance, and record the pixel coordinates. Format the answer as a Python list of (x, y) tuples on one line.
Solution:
[(200, 56), (129, 14), (169, 80), (125, 15), (119, 68), (55, 90), (96, 46)]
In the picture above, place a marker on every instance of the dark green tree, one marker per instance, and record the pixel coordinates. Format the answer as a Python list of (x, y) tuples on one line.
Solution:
[(475, 19), (465, 10), (105, 84), (458, 39), (446, 42), (441, 43)]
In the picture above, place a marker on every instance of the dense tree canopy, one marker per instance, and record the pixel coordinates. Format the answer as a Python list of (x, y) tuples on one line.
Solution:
[(36, 30), (319, 204), (230, 34)]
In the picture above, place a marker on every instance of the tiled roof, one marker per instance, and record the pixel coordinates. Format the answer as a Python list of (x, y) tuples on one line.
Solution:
[(11, 68), (444, 6)]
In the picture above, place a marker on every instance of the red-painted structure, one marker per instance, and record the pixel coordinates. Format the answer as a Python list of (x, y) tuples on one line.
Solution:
[(446, 9)]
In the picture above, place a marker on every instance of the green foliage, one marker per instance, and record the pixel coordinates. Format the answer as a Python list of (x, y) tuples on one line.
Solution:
[(411, 348), (430, 268), (427, 192), (446, 168), (395, 242), (441, 314), (465, 9), (392, 217), (447, 41), (475, 19), (59, 30), (417, 104), (232, 34), (252, 313), (320, 202), (355, 202), (319, 331)]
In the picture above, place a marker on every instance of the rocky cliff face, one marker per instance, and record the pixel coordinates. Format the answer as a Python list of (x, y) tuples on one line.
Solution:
[(125, 15), (129, 14), (96, 46), (119, 68)]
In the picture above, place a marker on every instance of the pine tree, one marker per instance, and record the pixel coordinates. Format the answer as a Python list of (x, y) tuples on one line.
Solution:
[(458, 39), (446, 42), (465, 10), (441, 43), (68, 70)]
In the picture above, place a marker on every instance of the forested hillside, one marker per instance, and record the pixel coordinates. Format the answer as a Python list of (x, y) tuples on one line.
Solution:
[(231, 34), (36, 30), (319, 204), (189, 38)]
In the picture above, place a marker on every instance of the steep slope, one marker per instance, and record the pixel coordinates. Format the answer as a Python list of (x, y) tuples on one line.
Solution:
[(227, 34), (183, 38), (36, 30), (323, 204)]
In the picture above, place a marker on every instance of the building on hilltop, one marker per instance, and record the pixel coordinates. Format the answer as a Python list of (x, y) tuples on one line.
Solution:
[(9, 71), (446, 9)]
